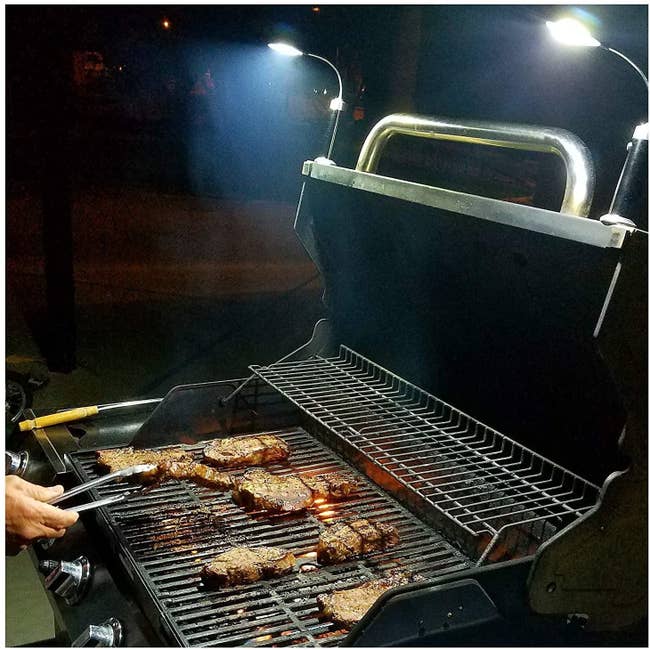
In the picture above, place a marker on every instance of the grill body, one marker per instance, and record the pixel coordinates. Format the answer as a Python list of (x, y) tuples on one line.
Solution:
[(459, 374)]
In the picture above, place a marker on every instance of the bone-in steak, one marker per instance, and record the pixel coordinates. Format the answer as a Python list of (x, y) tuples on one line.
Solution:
[(347, 606), (348, 539), (243, 565), (246, 450), (258, 489)]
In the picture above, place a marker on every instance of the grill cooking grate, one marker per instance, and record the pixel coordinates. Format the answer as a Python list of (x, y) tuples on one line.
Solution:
[(165, 536), (496, 496)]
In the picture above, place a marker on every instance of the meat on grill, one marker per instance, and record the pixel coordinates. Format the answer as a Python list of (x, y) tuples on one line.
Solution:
[(335, 486), (246, 450), (243, 565), (170, 464), (193, 471), (347, 606), (258, 489), (116, 459), (348, 539)]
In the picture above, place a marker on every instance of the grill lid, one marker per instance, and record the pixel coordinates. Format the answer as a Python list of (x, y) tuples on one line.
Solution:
[(490, 315)]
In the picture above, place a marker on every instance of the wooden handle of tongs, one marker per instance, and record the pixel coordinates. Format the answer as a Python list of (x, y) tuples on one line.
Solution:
[(59, 418)]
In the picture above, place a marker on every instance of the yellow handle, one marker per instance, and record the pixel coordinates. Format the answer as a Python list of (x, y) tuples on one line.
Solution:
[(58, 418)]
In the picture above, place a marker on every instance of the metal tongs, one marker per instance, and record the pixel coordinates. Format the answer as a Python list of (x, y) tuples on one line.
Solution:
[(107, 478)]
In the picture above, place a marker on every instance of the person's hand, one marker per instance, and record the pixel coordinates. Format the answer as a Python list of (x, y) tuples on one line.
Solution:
[(27, 515)]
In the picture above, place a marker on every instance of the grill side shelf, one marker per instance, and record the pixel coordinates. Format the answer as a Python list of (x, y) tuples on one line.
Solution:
[(491, 495)]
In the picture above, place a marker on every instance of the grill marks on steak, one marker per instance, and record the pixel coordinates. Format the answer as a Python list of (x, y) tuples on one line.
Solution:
[(258, 489), (246, 450), (348, 606), (349, 539), (243, 565)]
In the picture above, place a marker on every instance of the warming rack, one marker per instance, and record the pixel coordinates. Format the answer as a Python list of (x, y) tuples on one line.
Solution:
[(491, 488)]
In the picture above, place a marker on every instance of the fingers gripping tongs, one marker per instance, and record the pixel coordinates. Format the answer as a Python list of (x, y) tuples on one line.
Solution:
[(107, 478)]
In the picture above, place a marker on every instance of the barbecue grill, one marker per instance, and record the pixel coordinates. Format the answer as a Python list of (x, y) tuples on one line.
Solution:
[(479, 362)]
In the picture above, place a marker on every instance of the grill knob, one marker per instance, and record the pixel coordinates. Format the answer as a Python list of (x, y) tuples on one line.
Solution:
[(16, 462), (69, 580), (106, 635)]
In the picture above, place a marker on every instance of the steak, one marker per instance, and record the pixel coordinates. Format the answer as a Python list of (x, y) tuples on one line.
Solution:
[(242, 565), (170, 464), (193, 471), (258, 489), (331, 486), (116, 459), (349, 539), (246, 450), (347, 606)]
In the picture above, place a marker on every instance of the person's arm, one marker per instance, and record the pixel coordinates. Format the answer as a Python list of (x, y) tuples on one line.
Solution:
[(27, 515)]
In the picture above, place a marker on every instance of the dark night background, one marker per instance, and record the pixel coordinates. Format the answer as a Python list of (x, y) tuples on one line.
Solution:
[(153, 172)]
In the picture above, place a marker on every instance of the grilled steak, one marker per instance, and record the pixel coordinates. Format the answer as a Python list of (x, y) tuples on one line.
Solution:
[(115, 459), (326, 486), (246, 450), (258, 489), (243, 565), (347, 606), (171, 464), (349, 539), (193, 471)]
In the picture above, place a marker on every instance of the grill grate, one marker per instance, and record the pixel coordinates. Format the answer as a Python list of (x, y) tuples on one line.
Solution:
[(165, 536), (494, 495)]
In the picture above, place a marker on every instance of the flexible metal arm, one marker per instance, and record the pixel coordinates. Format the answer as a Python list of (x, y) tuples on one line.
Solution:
[(579, 186), (634, 65), (338, 110)]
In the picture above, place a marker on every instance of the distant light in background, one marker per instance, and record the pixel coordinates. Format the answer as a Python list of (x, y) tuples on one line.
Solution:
[(569, 31), (166, 24), (316, 9)]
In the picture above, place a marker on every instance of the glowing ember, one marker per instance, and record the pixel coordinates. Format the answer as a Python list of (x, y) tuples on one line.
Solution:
[(287, 633), (266, 637), (319, 500), (327, 513), (241, 611)]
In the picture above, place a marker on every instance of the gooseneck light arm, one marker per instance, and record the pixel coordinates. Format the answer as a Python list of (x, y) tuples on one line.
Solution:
[(339, 105), (634, 65)]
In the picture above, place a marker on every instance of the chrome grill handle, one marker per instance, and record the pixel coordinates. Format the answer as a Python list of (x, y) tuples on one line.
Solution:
[(579, 187)]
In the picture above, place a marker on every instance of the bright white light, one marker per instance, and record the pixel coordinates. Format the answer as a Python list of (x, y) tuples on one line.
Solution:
[(336, 104), (286, 49), (571, 32)]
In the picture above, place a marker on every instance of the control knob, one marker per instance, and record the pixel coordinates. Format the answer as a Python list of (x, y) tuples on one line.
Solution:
[(16, 462), (69, 580), (106, 635)]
